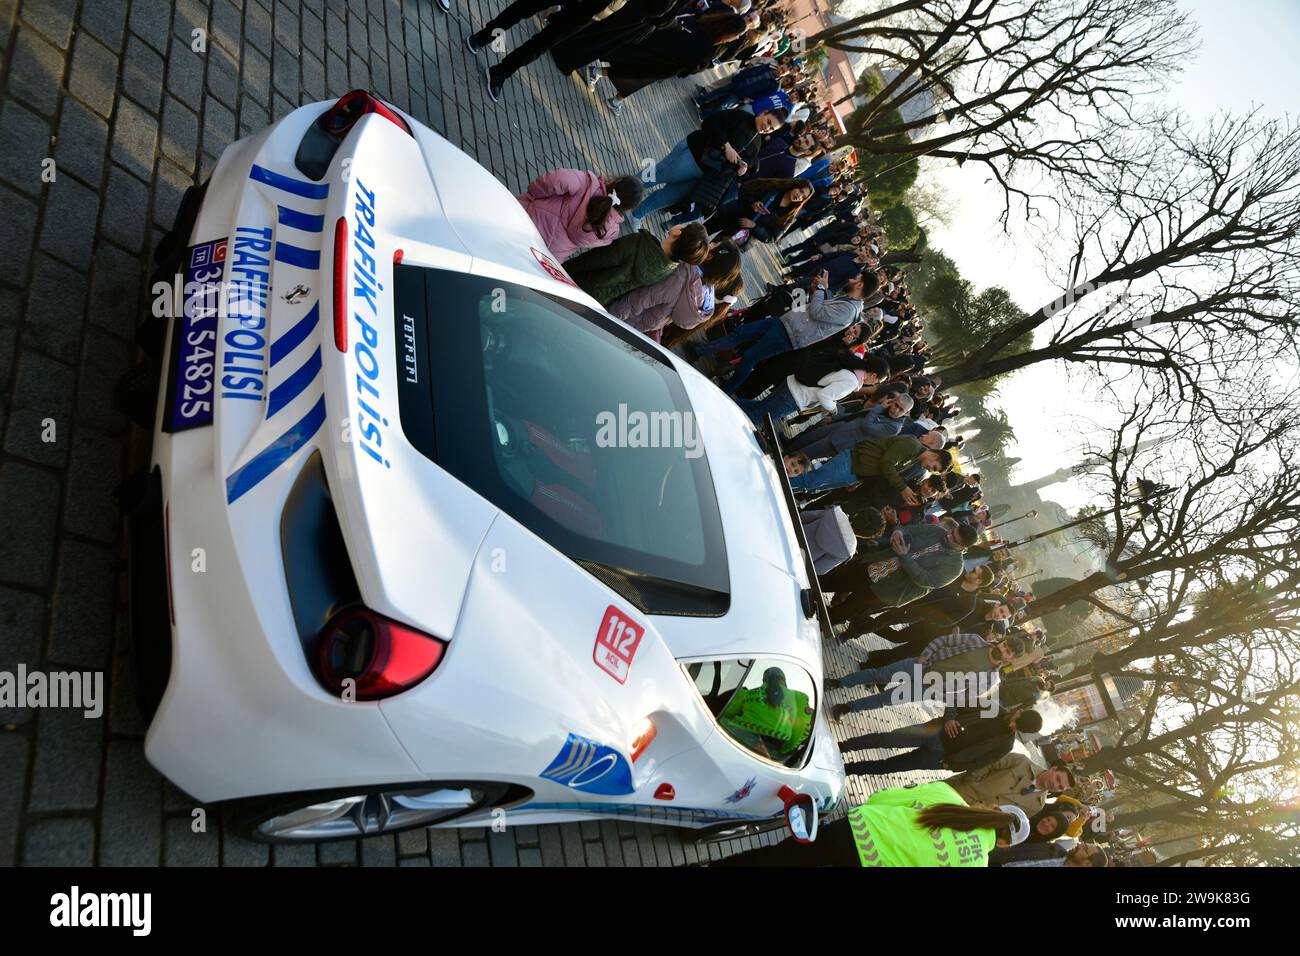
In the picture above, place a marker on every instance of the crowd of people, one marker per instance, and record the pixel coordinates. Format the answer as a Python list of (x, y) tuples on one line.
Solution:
[(834, 353)]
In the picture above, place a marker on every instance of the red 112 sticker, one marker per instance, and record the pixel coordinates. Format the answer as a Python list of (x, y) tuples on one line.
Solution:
[(616, 644)]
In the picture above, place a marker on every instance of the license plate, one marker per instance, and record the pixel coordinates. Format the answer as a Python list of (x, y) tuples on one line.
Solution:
[(193, 378)]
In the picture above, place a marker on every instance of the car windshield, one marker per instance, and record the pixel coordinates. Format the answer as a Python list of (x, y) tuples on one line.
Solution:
[(767, 706), (570, 424)]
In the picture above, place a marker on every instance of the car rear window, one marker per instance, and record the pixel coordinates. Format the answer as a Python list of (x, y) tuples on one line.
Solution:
[(570, 424)]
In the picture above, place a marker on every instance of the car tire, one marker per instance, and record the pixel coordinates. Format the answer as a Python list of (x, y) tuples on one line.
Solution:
[(353, 813), (732, 830)]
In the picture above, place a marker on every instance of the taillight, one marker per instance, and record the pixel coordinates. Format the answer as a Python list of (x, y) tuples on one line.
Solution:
[(641, 737), (322, 139), (341, 284), (343, 115), (378, 655)]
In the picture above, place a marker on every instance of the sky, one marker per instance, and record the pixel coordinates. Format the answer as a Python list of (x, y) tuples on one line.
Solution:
[(1249, 56)]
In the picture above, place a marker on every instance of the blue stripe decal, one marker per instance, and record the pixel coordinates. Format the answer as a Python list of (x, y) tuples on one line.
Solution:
[(292, 387), (297, 255), (300, 220), (299, 187), (295, 336), (275, 455)]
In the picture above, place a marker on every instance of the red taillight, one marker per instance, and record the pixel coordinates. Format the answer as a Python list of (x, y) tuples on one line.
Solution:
[(665, 792), (341, 284), (380, 656), (344, 114), (645, 732), (397, 257)]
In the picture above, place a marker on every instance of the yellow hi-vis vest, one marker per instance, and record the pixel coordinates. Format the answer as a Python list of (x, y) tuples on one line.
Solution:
[(886, 833), (790, 723)]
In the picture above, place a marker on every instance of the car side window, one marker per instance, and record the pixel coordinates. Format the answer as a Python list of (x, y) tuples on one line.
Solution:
[(767, 706)]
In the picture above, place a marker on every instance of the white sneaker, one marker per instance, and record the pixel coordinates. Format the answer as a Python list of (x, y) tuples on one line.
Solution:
[(615, 105), (593, 77)]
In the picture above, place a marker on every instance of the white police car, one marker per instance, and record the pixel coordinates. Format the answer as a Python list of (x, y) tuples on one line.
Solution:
[(428, 538)]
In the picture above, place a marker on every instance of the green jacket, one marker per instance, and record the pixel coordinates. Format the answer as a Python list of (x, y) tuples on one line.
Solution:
[(918, 574), (886, 458), (885, 831), (628, 263)]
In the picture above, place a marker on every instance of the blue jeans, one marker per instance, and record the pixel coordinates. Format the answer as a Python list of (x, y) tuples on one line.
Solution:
[(675, 178), (769, 337), (778, 404), (835, 472), (883, 676)]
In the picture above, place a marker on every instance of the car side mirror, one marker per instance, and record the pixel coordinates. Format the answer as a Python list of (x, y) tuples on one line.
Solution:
[(800, 815)]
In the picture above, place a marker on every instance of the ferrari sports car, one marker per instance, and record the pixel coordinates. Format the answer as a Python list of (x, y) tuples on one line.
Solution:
[(428, 538)]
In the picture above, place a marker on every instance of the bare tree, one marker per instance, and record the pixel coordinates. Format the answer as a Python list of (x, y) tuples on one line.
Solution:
[(1232, 514), (1042, 84), (1189, 269)]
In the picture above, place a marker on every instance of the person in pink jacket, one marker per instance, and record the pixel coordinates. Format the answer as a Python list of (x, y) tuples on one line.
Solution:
[(576, 209)]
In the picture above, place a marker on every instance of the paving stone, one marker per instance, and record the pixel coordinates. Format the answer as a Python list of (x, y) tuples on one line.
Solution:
[(444, 847), (53, 18), (223, 75), (126, 210), (115, 290), (65, 774), (92, 78), (132, 809), (257, 27), (40, 423), (13, 758), (82, 615), (255, 79), (28, 524), (105, 19), (379, 851), (135, 137), (530, 857), (412, 842), (185, 75), (189, 15), (475, 853), (103, 361), (82, 144), (151, 21), (337, 853), (501, 848), (293, 855), (71, 211), (285, 73), (225, 24), (36, 71), (90, 508), (68, 842), (24, 147), (180, 134), (415, 861), (56, 306), (124, 717), (22, 634), (238, 851), (184, 847), (142, 74), (218, 128)]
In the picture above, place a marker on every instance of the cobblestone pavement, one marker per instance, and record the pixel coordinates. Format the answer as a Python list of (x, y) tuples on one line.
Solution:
[(114, 94)]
